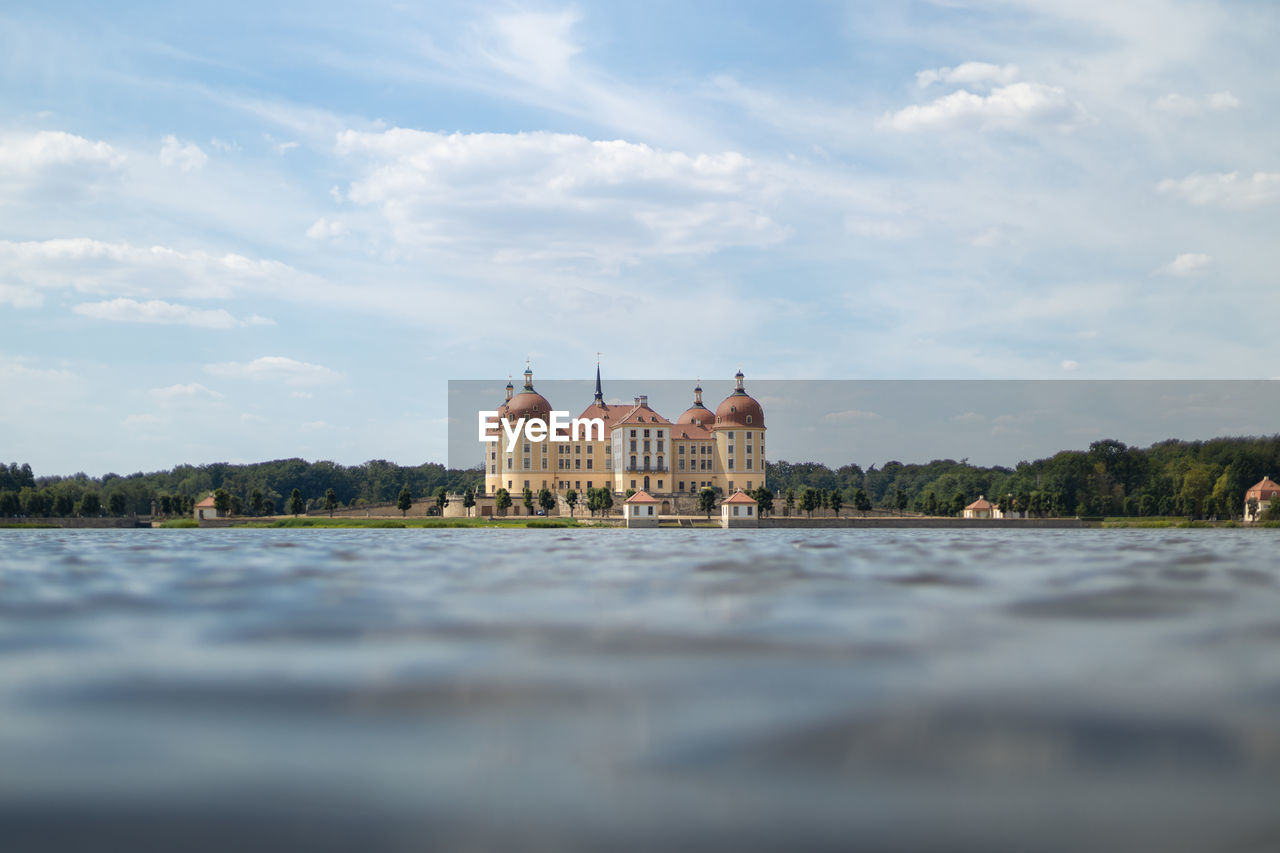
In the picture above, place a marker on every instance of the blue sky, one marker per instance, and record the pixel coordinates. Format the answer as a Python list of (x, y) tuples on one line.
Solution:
[(244, 231)]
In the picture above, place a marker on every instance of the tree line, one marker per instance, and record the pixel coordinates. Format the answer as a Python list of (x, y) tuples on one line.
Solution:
[(261, 488), (1198, 479)]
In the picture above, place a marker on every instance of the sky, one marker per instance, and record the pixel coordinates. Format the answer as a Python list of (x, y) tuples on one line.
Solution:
[(238, 232)]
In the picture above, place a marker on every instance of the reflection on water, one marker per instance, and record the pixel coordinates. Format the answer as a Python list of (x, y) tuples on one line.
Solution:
[(547, 690)]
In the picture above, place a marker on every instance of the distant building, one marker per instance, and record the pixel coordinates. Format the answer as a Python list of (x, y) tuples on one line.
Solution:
[(206, 509), (1264, 492), (981, 508), (641, 510), (641, 449), (739, 510)]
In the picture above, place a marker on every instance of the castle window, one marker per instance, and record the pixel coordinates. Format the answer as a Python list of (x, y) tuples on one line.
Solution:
[(748, 418), (680, 450), (730, 464), (659, 463), (589, 463), (577, 463), (730, 438), (659, 445), (748, 464), (748, 431), (646, 433), (633, 433), (681, 464)]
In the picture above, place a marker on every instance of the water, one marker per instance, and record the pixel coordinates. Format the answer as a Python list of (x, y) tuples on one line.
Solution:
[(980, 690)]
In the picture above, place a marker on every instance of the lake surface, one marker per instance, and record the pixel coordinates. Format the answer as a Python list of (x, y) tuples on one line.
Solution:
[(472, 690)]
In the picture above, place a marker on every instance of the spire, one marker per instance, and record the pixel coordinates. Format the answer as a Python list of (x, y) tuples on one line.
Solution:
[(738, 378), (599, 390), (510, 388), (528, 376), (697, 393)]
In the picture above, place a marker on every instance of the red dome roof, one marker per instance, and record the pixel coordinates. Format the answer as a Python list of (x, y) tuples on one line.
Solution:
[(698, 414), (737, 408), (527, 404)]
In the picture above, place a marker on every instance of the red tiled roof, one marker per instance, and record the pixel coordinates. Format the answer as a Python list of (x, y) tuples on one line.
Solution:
[(739, 497), (981, 503), (207, 502), (642, 497), (1263, 489)]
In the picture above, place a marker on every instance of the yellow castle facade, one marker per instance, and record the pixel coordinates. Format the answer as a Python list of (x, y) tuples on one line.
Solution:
[(640, 449)]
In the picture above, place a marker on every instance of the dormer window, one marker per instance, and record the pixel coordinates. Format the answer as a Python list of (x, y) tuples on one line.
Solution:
[(748, 418)]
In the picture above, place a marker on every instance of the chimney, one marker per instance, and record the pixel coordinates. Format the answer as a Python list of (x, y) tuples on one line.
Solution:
[(643, 400)]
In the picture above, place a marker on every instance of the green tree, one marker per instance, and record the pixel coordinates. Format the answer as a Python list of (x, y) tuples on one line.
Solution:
[(502, 500), (931, 502), (764, 500), (862, 502), (90, 504), (958, 503), (404, 501), (116, 503), (789, 498), (468, 500), (330, 500), (442, 500), (526, 498), (1252, 505), (836, 501), (901, 502), (221, 501), (63, 505), (255, 502), (9, 504), (707, 501), (571, 498), (296, 505), (606, 499), (546, 500), (1146, 505), (269, 507), (628, 493), (237, 505)]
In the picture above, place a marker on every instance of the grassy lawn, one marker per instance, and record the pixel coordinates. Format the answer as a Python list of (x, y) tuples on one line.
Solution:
[(413, 522)]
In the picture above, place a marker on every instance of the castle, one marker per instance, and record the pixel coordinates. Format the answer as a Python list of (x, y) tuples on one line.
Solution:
[(640, 448)]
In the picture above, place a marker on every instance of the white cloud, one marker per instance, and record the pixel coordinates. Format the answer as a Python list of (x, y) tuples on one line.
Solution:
[(1224, 189), (142, 421), (1186, 264), (275, 369), (157, 312), (534, 43), (849, 416), (20, 297), (1187, 105), (225, 146), (1069, 365), (879, 229), (1006, 107), (185, 156), (324, 229), (94, 266), (187, 391), (968, 73), (556, 197), (29, 153)]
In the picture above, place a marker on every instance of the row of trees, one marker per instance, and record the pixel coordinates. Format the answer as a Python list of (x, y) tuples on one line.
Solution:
[(1187, 478), (1197, 479)]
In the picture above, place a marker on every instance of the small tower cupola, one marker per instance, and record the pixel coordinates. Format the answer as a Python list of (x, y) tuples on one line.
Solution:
[(738, 382), (511, 389), (528, 377)]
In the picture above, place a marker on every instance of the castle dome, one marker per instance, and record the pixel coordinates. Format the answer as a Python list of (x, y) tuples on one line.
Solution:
[(697, 414), (739, 408), (527, 404)]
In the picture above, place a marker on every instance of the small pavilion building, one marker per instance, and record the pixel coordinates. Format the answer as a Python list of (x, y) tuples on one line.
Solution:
[(206, 509), (739, 510), (1263, 492), (641, 510), (981, 508)]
